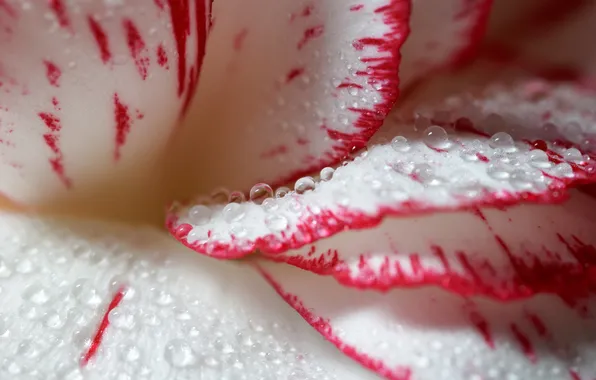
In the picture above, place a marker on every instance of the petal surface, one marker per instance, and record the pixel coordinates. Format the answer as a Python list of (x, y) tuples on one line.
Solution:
[(290, 86), (91, 300), (90, 93), (425, 168), (503, 254), (442, 33), (427, 333)]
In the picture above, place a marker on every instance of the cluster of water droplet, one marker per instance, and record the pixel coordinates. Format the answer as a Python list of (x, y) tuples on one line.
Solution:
[(164, 328)]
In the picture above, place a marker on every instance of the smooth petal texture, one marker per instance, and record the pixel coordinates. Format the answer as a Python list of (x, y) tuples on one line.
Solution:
[(430, 334), (172, 315), (90, 93), (288, 87), (425, 168), (504, 254), (443, 33)]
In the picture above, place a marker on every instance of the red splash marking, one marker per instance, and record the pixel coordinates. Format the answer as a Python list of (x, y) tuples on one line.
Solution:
[(356, 8), (483, 328), (325, 328), (524, 342), (123, 122), (137, 47), (161, 4), (240, 38), (52, 140), (482, 157), (103, 325), (574, 375), (162, 56), (306, 12), (7, 8), (310, 34), (538, 324), (59, 10), (53, 73), (275, 151), (349, 85), (101, 39), (180, 18), (294, 73)]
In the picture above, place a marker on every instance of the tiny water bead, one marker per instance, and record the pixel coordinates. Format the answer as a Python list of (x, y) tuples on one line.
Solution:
[(436, 137), (503, 141), (499, 171), (199, 215), (400, 144), (270, 204), (233, 212), (179, 354), (539, 159), (573, 155), (282, 192), (237, 197), (260, 192), (327, 174), (220, 195), (276, 223), (563, 170), (304, 184)]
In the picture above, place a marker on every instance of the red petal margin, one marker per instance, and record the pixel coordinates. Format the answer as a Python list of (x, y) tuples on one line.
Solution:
[(426, 333), (426, 168), (289, 90)]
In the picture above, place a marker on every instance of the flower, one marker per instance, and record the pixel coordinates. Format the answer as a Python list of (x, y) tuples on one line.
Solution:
[(442, 241)]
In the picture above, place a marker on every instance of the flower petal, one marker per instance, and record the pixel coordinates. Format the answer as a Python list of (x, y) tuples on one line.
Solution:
[(83, 299), (89, 93), (442, 33), (426, 168), (289, 87), (427, 333), (503, 254)]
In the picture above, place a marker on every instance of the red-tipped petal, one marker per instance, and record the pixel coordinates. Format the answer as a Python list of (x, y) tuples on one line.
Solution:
[(94, 300), (89, 93), (504, 254), (443, 32), (426, 168), (290, 86), (427, 333)]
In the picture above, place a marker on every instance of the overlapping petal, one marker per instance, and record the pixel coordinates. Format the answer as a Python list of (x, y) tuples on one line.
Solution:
[(90, 93), (427, 333), (171, 314), (425, 168)]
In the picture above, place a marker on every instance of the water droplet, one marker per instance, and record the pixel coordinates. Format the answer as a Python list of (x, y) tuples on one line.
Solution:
[(162, 297), (304, 184), (233, 212), (37, 294), (425, 174), (276, 223), (503, 141), (562, 170), (573, 155), (469, 155), (5, 270), (539, 159), (270, 204), (130, 352), (179, 354), (327, 174), (54, 320), (400, 144), (199, 215), (499, 171), (260, 192), (237, 197), (85, 294), (436, 137), (122, 318), (25, 266), (282, 192), (238, 230)]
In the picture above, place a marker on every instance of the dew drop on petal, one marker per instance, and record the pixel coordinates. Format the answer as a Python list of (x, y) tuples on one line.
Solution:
[(304, 184), (436, 137), (573, 155), (327, 174), (233, 212), (260, 192), (400, 144), (237, 197), (199, 215), (502, 140), (539, 159), (498, 171), (220, 195), (562, 170), (179, 354), (276, 223), (282, 192), (270, 204)]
